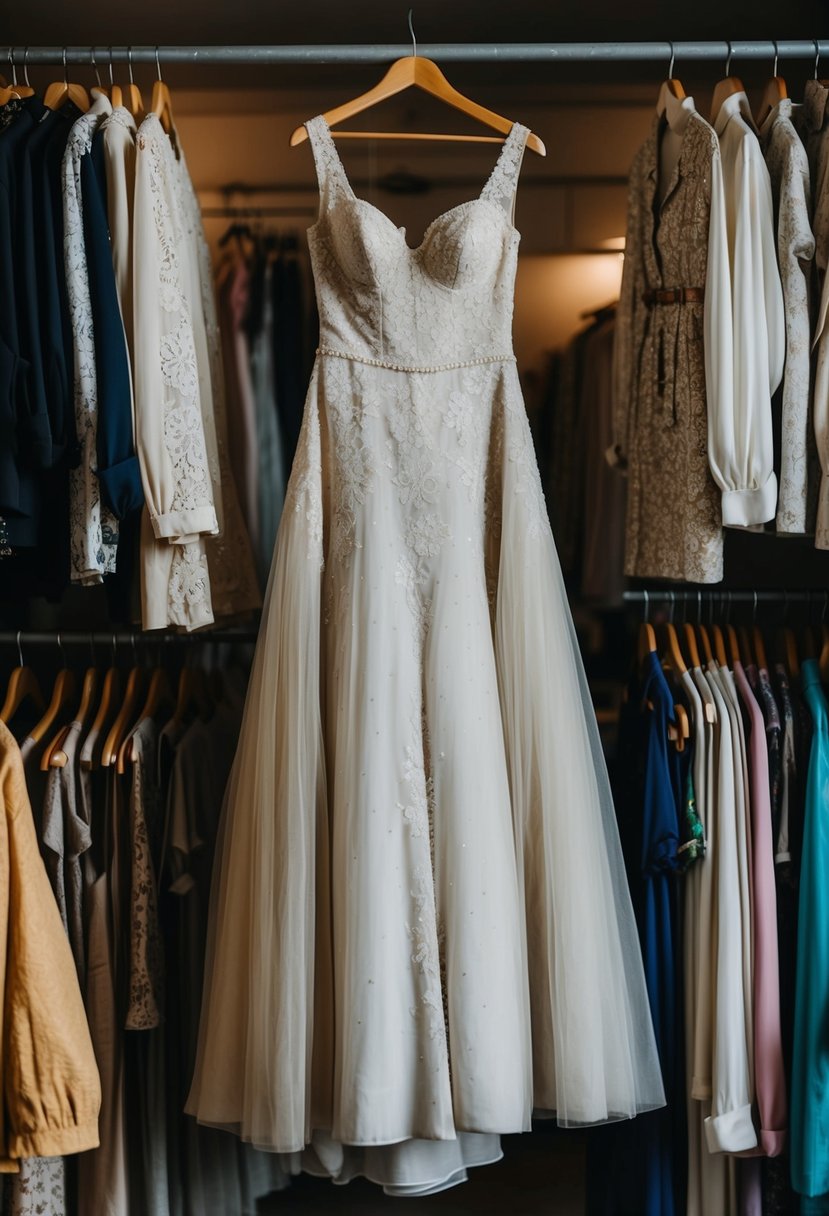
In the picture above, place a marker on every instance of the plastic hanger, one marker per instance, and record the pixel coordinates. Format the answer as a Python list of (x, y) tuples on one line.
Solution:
[(62, 693), (774, 92), (414, 70), (161, 102), (23, 686), (725, 88), (61, 91)]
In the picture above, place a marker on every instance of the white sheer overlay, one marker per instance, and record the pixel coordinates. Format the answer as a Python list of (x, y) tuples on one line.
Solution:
[(420, 926)]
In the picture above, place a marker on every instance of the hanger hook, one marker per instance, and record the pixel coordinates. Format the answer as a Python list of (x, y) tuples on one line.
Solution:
[(26, 67), (65, 73), (411, 31), (754, 610), (646, 598), (817, 55), (62, 652), (13, 66), (776, 57), (671, 63), (728, 60), (157, 63), (19, 646), (672, 602), (111, 77), (92, 647), (129, 63), (114, 650), (95, 66)]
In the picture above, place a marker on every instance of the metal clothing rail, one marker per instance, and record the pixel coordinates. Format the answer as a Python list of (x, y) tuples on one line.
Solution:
[(725, 597), (122, 638), (445, 52)]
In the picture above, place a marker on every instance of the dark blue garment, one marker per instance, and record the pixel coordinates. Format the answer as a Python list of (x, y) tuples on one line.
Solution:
[(286, 286), (640, 1168), (118, 470), (41, 290)]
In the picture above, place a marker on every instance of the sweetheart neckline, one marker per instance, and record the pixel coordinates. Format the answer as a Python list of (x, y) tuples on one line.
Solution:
[(482, 197)]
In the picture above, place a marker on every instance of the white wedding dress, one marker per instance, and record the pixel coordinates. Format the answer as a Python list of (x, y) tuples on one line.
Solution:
[(421, 931)]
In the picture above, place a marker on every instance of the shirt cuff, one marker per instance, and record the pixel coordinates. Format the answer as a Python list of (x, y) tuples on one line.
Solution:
[(772, 1144), (121, 486), (732, 1132), (56, 1141), (740, 508), (200, 521)]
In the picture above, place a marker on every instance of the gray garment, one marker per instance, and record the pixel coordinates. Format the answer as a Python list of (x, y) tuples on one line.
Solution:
[(68, 836), (788, 167)]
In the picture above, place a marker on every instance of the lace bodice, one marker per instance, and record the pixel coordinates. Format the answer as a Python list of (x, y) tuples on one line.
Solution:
[(447, 301)]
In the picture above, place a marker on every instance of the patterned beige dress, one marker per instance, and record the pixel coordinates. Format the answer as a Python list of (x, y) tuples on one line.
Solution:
[(674, 528)]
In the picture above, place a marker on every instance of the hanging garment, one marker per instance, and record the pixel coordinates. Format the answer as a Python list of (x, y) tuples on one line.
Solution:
[(94, 528), (788, 167), (230, 560), (740, 442), (270, 476), (813, 123), (666, 384), (171, 443), (810, 1071), (117, 132), (233, 301), (729, 1127), (769, 1076), (473, 974), (604, 493), (49, 1076)]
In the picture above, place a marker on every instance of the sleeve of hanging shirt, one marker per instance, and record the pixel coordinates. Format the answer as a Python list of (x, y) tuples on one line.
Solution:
[(625, 355), (118, 470), (740, 445), (169, 431)]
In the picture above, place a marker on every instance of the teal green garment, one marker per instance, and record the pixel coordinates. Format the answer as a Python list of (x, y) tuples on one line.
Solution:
[(810, 1068)]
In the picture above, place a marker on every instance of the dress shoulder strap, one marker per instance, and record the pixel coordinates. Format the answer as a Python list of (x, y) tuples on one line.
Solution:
[(330, 171), (503, 181)]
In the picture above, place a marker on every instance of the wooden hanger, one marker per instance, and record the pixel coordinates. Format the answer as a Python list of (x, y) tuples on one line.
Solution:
[(734, 646), (706, 644), (62, 693), (161, 102), (15, 89), (725, 88), (54, 756), (790, 651), (159, 695), (193, 694), (774, 92), (134, 102), (759, 648), (746, 648), (61, 91), (415, 71), (23, 686), (90, 754), (125, 715), (681, 731), (719, 645), (691, 639), (674, 648), (670, 90), (647, 640)]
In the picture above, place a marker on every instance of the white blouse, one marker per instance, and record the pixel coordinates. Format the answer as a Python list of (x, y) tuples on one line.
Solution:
[(169, 426), (740, 444), (93, 527), (788, 167)]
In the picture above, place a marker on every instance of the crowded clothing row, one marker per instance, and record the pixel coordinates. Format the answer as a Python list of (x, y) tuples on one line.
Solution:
[(112, 398), (268, 334), (585, 497), (721, 332), (722, 800), (109, 872)]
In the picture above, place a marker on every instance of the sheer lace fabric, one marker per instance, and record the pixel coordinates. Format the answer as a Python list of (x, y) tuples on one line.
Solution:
[(420, 928)]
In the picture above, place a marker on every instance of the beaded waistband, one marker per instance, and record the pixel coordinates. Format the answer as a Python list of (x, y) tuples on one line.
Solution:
[(403, 367)]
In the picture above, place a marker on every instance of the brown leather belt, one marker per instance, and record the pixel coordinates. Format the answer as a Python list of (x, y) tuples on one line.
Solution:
[(674, 295)]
